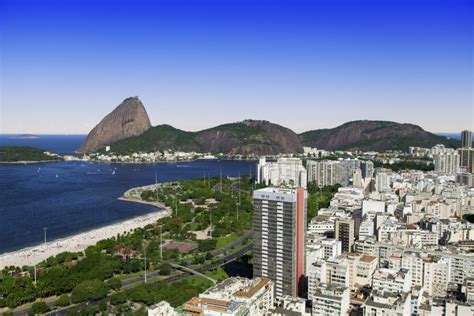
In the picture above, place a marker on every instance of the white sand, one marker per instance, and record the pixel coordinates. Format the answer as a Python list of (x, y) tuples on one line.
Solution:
[(33, 255)]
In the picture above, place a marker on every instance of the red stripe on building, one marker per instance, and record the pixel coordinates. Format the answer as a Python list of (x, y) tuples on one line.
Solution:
[(300, 228)]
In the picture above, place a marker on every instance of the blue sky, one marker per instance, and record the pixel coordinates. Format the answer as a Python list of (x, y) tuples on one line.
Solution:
[(194, 64)]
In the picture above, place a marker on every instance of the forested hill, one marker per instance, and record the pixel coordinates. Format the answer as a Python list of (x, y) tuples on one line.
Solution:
[(374, 135)]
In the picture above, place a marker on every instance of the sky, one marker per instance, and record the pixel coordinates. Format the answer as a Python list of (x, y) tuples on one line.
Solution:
[(65, 64)]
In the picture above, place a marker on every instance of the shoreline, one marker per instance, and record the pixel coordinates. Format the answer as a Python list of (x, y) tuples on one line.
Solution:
[(79, 242), (28, 162), (123, 162)]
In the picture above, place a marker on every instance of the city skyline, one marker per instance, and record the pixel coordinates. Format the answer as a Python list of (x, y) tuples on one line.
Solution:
[(66, 65)]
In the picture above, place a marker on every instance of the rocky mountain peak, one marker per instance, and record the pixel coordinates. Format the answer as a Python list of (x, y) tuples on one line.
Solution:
[(127, 120)]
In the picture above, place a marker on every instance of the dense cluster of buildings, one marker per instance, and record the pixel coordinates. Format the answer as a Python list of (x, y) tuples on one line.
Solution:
[(143, 157), (449, 161), (390, 243)]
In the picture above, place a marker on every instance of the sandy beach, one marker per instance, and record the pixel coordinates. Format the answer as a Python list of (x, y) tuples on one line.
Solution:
[(33, 255)]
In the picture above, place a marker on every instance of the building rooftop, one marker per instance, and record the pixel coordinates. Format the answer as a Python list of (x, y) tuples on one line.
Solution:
[(367, 258)]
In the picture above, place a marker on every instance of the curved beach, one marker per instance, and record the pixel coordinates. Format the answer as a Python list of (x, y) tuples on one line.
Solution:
[(79, 242)]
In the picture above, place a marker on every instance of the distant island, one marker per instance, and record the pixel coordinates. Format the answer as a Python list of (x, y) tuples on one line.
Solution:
[(26, 136), (25, 154), (127, 129)]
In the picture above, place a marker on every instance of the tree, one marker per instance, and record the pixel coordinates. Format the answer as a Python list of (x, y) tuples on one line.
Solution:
[(114, 284), (63, 300), (165, 268), (103, 306), (88, 290), (207, 245), (38, 308), (118, 298)]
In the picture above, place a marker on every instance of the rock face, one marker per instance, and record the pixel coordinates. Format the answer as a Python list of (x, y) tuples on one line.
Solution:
[(127, 120), (249, 137), (373, 135)]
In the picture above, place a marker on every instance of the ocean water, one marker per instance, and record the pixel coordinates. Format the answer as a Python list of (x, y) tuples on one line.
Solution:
[(60, 144), (72, 197)]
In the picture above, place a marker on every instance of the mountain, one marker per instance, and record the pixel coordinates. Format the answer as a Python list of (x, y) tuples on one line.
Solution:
[(127, 120), (373, 135), (127, 129), (246, 137), (158, 138), (249, 137)]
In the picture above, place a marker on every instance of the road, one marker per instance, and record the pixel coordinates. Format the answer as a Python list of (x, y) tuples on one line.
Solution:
[(186, 269), (132, 281)]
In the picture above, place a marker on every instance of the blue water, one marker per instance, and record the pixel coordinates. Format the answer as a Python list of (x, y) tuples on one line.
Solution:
[(450, 135), (71, 197), (60, 144)]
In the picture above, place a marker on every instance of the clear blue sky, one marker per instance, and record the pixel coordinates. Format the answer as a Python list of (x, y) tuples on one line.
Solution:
[(194, 64)]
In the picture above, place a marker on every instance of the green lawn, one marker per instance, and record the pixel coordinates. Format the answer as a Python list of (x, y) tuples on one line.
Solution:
[(196, 280), (217, 274), (224, 241)]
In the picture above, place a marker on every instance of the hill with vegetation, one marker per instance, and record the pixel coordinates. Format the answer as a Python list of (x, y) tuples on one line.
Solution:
[(127, 129), (246, 137), (373, 135), (249, 137), (24, 153), (158, 138)]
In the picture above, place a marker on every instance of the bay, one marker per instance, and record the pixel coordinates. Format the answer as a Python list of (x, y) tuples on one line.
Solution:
[(72, 197)]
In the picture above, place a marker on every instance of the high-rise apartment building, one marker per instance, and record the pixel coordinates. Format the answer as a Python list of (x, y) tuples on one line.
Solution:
[(466, 159), (344, 230), (326, 172), (466, 139), (367, 168), (348, 166), (357, 178), (285, 171), (383, 181), (447, 163), (279, 230)]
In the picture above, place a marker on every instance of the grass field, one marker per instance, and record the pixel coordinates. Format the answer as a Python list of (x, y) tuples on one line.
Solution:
[(224, 241), (217, 274), (197, 280)]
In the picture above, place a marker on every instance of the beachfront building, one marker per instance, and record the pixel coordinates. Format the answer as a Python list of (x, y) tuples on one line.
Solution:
[(284, 172)]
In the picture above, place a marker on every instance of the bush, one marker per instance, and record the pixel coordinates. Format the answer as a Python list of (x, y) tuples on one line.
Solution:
[(88, 290), (38, 308), (63, 300)]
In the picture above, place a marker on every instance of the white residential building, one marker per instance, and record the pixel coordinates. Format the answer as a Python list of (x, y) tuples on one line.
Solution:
[(447, 163), (392, 280), (283, 172), (330, 299), (325, 172)]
